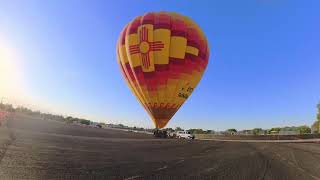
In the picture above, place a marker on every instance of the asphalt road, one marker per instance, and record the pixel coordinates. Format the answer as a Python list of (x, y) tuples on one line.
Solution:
[(32, 148)]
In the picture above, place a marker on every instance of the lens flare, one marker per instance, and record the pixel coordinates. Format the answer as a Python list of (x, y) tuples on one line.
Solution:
[(12, 84)]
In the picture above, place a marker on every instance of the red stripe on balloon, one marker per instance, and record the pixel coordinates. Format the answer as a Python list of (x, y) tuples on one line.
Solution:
[(148, 18), (123, 35), (134, 26), (162, 21), (146, 35)]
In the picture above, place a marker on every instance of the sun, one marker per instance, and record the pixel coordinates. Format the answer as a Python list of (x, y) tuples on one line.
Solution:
[(11, 79)]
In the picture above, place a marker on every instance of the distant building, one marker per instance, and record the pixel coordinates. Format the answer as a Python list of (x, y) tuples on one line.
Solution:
[(288, 132), (245, 132), (274, 132), (120, 126)]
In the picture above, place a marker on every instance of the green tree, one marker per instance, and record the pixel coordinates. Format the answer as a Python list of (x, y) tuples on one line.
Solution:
[(274, 130), (209, 131), (232, 131), (178, 129), (191, 131), (315, 127), (304, 129), (84, 121), (196, 131), (169, 129), (318, 115), (257, 131), (69, 119)]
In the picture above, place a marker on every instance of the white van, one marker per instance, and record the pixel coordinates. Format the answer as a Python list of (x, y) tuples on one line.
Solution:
[(185, 135)]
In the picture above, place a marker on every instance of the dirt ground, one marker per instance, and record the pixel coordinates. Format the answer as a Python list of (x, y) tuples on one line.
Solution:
[(33, 148)]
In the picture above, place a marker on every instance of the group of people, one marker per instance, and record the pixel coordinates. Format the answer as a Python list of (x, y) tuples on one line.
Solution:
[(160, 133)]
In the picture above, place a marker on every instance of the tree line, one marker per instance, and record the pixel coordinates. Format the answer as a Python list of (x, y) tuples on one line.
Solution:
[(316, 125), (21, 109), (256, 131)]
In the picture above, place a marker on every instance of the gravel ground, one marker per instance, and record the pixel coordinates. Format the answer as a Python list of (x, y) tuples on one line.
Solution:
[(33, 148)]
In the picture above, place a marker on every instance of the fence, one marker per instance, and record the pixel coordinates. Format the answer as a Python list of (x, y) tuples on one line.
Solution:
[(257, 137)]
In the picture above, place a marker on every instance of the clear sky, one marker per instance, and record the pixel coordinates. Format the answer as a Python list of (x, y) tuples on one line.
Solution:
[(264, 68)]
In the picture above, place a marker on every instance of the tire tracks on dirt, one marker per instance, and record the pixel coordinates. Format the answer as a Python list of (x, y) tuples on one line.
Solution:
[(7, 144)]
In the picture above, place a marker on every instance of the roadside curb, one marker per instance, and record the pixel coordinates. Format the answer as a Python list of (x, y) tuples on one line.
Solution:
[(267, 141)]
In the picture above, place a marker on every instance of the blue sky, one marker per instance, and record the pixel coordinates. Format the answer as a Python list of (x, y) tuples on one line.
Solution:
[(263, 70)]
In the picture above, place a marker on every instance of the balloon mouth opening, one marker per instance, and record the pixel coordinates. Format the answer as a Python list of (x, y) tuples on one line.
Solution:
[(161, 123)]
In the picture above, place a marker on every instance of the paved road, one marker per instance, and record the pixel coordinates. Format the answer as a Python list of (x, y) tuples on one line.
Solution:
[(32, 148)]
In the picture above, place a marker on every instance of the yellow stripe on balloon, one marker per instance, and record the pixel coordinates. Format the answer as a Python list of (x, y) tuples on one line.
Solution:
[(123, 54), (178, 47), (192, 50), (162, 57), (134, 59)]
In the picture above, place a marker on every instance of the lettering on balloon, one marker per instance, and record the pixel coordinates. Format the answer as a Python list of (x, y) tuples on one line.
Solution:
[(162, 105), (185, 92), (182, 95)]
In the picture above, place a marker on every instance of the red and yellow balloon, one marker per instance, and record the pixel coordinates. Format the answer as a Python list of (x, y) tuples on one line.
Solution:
[(162, 57)]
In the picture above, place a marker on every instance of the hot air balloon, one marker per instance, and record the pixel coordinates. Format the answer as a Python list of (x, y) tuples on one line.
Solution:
[(162, 56)]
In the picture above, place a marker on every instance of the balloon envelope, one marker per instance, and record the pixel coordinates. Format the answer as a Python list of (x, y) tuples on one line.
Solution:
[(162, 57)]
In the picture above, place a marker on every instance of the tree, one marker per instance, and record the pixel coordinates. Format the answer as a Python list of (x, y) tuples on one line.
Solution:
[(169, 129), (232, 130), (196, 131), (274, 130), (209, 132), (257, 131), (178, 129), (69, 119), (304, 129), (84, 121), (315, 127), (318, 115)]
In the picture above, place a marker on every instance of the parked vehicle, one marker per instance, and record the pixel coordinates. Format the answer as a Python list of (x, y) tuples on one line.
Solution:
[(98, 126), (184, 135)]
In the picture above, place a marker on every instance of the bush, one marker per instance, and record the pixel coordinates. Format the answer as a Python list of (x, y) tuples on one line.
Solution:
[(304, 129), (84, 121)]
